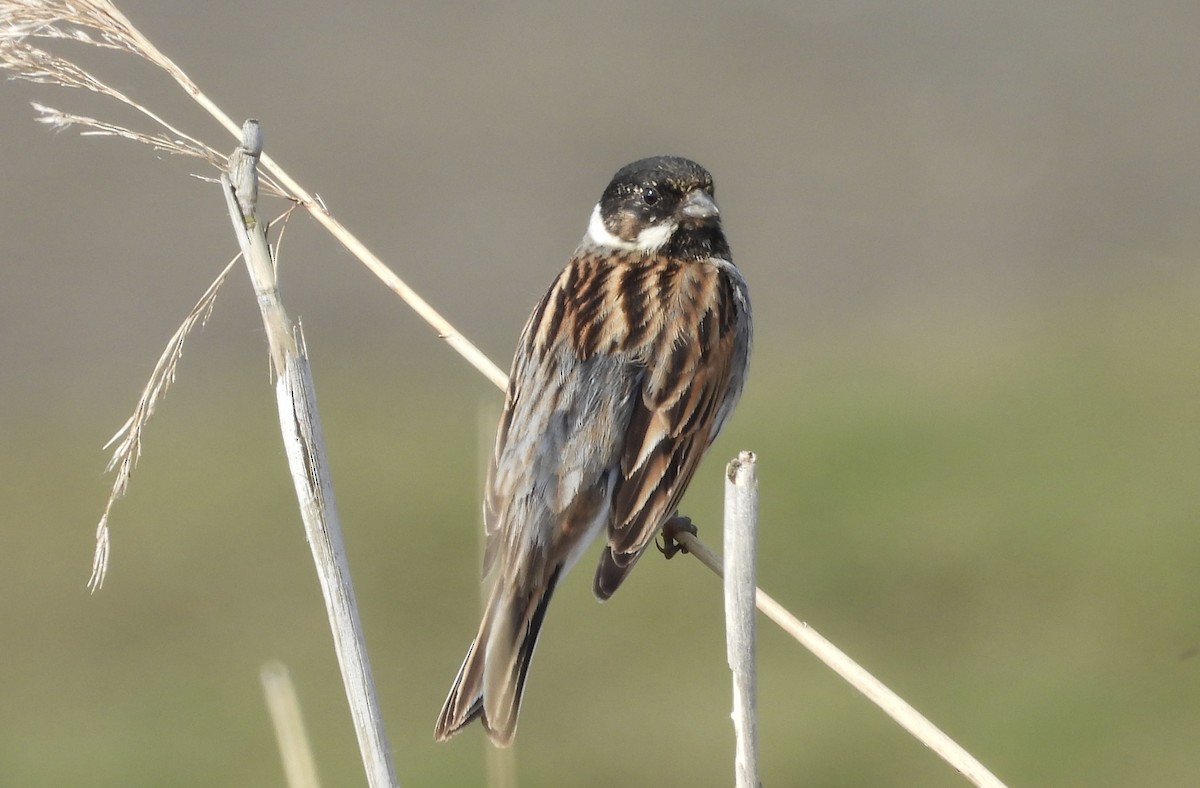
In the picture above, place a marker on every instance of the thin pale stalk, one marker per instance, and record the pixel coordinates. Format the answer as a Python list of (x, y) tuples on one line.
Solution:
[(286, 718), (304, 446), (741, 544)]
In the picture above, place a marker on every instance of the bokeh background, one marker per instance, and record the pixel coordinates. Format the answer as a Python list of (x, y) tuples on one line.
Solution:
[(971, 235)]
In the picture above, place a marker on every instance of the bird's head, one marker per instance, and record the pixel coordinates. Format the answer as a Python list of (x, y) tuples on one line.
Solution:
[(656, 203)]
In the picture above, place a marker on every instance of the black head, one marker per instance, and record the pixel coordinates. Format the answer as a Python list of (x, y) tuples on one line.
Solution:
[(664, 202)]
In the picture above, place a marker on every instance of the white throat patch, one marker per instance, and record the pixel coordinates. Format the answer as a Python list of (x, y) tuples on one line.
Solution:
[(649, 240)]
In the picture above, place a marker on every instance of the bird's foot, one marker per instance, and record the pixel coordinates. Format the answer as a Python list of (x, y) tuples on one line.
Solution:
[(671, 529)]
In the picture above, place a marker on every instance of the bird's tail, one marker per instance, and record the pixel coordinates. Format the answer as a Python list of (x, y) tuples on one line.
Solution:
[(491, 680)]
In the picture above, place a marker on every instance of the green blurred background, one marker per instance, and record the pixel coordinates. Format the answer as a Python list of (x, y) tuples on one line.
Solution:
[(970, 232)]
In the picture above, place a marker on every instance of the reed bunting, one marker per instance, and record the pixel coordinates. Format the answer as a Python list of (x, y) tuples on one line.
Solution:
[(625, 373)]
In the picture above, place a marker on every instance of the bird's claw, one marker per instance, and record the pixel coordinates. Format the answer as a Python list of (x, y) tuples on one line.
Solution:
[(673, 527)]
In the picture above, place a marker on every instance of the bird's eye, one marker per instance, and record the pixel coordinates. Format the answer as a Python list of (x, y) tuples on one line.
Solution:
[(649, 195)]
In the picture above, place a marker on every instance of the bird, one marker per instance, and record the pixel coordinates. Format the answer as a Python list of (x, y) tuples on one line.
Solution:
[(626, 371)]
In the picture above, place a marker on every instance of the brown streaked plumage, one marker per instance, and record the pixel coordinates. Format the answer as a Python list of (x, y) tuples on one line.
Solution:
[(624, 375)]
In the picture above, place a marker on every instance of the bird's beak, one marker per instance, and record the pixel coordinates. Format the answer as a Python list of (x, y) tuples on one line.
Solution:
[(699, 205)]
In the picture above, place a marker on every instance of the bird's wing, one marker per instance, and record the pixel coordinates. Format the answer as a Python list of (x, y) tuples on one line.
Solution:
[(562, 429)]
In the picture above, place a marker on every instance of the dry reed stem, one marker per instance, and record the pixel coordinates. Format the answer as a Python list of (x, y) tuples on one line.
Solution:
[(741, 549), (304, 445), (283, 705)]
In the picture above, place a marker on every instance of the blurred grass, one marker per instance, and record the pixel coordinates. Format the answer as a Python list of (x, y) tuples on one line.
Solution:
[(996, 514)]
